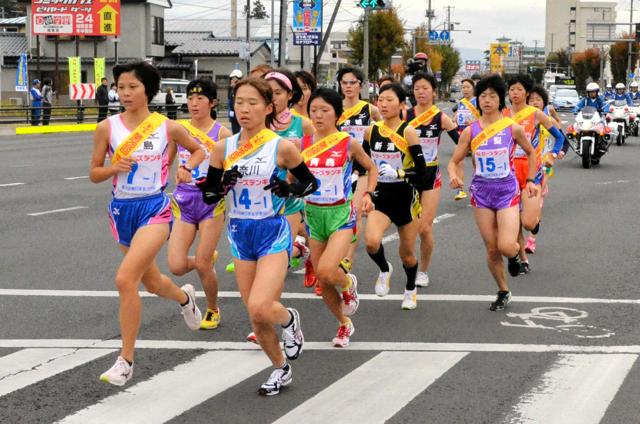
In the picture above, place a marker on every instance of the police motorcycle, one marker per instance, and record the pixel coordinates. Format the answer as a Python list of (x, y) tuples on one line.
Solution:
[(634, 116), (589, 136), (619, 119)]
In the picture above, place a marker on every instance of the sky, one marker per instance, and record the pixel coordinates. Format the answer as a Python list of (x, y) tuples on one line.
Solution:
[(521, 20)]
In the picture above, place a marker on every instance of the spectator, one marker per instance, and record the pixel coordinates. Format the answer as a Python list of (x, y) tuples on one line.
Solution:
[(102, 97), (36, 102), (114, 99), (47, 101), (234, 77), (170, 103)]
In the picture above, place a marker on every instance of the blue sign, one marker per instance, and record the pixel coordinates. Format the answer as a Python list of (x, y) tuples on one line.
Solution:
[(631, 75), (22, 77), (433, 36), (307, 22), (445, 36)]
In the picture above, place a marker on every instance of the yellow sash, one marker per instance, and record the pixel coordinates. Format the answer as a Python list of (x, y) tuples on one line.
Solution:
[(249, 147), (321, 146), (489, 132), (474, 111), (352, 111), (296, 113), (524, 114), (200, 135), (425, 117), (137, 136), (401, 143)]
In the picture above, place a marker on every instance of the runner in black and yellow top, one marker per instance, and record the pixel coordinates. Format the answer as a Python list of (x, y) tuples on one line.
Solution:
[(395, 148), (430, 123), (330, 215), (356, 117), (466, 112)]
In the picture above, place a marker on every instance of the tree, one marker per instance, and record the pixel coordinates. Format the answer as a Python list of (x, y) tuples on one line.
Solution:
[(451, 63), (562, 58), (258, 12), (386, 37), (619, 54), (586, 66)]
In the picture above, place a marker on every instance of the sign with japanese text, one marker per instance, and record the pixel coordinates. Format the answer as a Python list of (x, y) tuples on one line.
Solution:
[(98, 70), (22, 77), (75, 17), (307, 22), (75, 74)]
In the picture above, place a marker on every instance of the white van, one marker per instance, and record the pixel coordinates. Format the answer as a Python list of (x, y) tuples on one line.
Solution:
[(179, 87)]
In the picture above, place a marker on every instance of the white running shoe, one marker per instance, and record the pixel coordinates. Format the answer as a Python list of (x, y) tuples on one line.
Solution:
[(345, 331), (422, 279), (350, 301), (119, 373), (251, 337), (190, 312), (292, 336), (409, 300), (280, 377), (383, 283)]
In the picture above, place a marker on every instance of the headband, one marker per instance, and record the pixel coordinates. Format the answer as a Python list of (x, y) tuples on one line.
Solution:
[(280, 77)]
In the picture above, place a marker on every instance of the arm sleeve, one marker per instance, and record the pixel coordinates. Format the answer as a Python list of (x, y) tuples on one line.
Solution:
[(418, 159), (557, 134), (211, 186), (454, 135), (305, 183)]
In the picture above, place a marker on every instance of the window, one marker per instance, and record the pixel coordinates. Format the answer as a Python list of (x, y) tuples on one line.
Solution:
[(157, 27)]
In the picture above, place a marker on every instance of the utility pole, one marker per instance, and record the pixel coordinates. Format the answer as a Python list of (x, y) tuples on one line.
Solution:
[(430, 15), (325, 38), (365, 55), (234, 18), (282, 42), (631, 41), (448, 28), (273, 18), (248, 41)]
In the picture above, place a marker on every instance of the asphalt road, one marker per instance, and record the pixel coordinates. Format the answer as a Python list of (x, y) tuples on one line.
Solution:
[(564, 351)]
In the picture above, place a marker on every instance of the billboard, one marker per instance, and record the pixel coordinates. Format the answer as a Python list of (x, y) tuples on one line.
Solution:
[(472, 66), (497, 52), (307, 22), (22, 77), (75, 17)]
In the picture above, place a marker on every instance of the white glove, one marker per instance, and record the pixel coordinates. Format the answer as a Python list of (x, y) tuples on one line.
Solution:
[(354, 178), (386, 170)]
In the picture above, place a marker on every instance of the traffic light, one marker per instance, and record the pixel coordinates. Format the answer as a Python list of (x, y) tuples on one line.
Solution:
[(374, 4), (638, 32)]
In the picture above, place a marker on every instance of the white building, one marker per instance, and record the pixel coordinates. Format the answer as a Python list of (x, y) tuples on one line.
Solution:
[(572, 23)]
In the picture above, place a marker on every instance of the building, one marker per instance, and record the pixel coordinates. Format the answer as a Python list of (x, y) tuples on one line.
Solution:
[(520, 57), (574, 24)]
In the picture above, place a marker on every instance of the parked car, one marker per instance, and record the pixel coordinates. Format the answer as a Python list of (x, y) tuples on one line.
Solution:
[(179, 87), (553, 89), (565, 99)]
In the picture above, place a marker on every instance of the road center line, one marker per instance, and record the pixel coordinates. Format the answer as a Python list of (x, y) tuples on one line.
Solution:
[(77, 178), (311, 296), (58, 210), (11, 184)]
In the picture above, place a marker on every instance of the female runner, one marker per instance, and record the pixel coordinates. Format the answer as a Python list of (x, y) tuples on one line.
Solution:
[(307, 83)]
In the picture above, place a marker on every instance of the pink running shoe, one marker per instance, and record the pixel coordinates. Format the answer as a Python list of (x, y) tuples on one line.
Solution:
[(251, 337), (531, 245), (344, 332)]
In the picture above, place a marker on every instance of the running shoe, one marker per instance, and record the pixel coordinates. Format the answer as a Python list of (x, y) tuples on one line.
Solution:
[(211, 319), (251, 337), (460, 194), (350, 301), (301, 245), (318, 289), (345, 265), (502, 300), (514, 266), (410, 299), (309, 274), (344, 332), (422, 279), (119, 373), (383, 283), (292, 336), (190, 312), (294, 262), (231, 267), (279, 378), (531, 245), (524, 268)]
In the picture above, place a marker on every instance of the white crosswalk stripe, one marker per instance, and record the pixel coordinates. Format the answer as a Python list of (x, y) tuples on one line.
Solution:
[(575, 388), (379, 388), (28, 366), (181, 389)]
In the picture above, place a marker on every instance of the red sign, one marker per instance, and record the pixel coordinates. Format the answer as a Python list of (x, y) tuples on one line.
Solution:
[(82, 91), (75, 17)]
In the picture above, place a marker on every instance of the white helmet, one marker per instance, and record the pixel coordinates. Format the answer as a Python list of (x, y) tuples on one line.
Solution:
[(236, 73), (620, 86), (592, 86), (633, 84)]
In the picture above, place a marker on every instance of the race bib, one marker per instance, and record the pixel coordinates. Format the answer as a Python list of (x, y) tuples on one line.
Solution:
[(330, 186), (249, 199), (429, 148), (492, 164), (355, 131)]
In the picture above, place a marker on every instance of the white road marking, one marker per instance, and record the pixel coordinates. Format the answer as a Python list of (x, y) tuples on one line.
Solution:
[(577, 389), (613, 182), (28, 366), (380, 387), (77, 178), (294, 295), (12, 184), (370, 346), (58, 210), (182, 388)]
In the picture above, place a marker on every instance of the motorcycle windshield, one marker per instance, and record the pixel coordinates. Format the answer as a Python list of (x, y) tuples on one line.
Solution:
[(588, 112), (620, 103), (636, 103)]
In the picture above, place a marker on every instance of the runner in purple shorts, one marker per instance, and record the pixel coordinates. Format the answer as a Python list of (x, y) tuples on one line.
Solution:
[(495, 193), (191, 214), (137, 142)]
